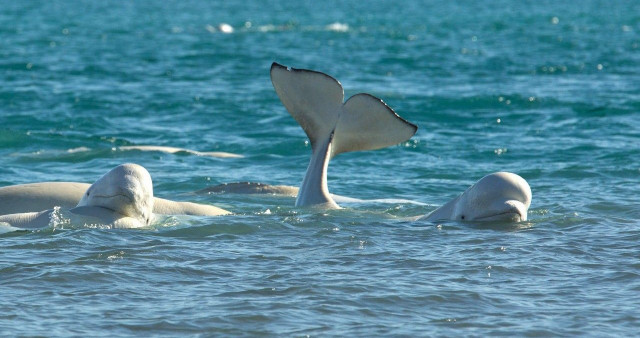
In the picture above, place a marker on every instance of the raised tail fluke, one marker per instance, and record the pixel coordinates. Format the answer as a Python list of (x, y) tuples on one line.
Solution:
[(367, 123), (315, 100)]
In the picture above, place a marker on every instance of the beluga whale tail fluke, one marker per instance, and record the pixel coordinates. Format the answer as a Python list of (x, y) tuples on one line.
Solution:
[(316, 102)]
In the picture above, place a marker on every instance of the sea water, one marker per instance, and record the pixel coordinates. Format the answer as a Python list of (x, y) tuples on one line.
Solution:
[(548, 90)]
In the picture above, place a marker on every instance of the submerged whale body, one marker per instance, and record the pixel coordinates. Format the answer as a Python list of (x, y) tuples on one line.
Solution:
[(500, 196)]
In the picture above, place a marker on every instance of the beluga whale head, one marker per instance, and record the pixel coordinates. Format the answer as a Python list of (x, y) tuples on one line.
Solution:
[(500, 196), (126, 189)]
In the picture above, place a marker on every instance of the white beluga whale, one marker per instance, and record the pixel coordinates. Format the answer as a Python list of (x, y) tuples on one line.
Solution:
[(364, 122), (141, 148), (316, 102), (32, 197), (500, 196), (287, 191), (174, 150), (123, 198), (126, 189)]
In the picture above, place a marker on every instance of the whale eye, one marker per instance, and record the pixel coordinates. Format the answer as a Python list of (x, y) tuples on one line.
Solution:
[(462, 217)]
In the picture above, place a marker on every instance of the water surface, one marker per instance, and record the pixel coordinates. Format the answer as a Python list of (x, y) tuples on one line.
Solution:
[(547, 90)]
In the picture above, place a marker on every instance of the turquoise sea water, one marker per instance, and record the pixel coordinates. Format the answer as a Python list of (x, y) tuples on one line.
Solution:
[(549, 90)]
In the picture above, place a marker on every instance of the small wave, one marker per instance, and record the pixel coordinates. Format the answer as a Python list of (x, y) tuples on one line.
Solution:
[(68, 155), (6, 228), (57, 220), (333, 27), (273, 28), (78, 150)]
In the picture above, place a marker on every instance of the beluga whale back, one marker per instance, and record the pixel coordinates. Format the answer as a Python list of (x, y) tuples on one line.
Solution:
[(32, 197), (316, 102)]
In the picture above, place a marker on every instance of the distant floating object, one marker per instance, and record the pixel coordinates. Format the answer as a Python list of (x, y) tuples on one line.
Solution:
[(225, 28), (222, 28), (338, 27)]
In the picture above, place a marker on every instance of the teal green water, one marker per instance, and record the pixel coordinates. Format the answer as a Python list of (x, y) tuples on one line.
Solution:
[(548, 90)]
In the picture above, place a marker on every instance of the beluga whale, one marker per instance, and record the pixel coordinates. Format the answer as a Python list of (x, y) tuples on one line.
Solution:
[(500, 196), (123, 198), (316, 101), (364, 122), (32, 197)]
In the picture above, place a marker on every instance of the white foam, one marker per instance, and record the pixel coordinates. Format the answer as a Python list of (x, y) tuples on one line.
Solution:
[(338, 27), (225, 28), (6, 227)]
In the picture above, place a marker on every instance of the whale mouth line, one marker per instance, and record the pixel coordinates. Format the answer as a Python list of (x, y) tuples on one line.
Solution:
[(117, 208), (510, 212), (114, 195)]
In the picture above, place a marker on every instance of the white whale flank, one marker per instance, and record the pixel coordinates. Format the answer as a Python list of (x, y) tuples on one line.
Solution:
[(34, 197)]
